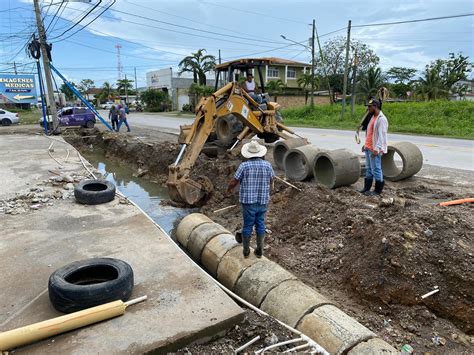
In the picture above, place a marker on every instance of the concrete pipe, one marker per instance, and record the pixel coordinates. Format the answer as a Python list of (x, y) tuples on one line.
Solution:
[(187, 225), (291, 300), (258, 279), (232, 265), (336, 168), (412, 161), (283, 146), (299, 162), (215, 249), (334, 330), (373, 347), (201, 235)]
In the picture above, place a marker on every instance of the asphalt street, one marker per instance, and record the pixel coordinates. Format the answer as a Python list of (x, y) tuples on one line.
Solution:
[(445, 152)]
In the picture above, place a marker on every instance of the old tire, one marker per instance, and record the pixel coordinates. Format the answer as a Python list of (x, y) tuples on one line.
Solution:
[(88, 283), (227, 129), (94, 192)]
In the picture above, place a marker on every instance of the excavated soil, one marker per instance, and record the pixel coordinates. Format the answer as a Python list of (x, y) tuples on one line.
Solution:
[(375, 257)]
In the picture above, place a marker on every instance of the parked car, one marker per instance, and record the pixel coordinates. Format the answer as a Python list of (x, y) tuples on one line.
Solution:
[(73, 116), (107, 105), (7, 118)]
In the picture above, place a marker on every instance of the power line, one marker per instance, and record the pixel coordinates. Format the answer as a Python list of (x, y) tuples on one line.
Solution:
[(55, 14), (59, 16), (412, 21)]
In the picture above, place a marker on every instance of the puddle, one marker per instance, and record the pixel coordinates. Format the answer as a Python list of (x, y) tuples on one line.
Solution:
[(143, 192)]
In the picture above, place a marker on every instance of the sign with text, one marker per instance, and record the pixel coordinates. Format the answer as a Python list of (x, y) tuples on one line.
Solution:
[(17, 89)]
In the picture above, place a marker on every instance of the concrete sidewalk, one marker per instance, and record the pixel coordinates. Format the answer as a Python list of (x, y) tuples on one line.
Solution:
[(38, 237)]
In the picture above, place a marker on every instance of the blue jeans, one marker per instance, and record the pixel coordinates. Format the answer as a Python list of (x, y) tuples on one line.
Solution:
[(254, 215), (256, 97), (373, 166), (120, 124)]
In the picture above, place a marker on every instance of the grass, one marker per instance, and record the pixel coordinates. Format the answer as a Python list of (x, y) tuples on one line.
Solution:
[(441, 118)]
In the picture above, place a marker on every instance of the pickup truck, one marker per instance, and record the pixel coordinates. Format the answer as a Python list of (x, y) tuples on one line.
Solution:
[(73, 116)]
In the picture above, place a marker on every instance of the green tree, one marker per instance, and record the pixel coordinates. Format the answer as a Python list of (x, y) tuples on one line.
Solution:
[(123, 84), (67, 92), (401, 74), (431, 85), (304, 82), (198, 64), (107, 91), (197, 91), (156, 100), (275, 87), (371, 82), (85, 85)]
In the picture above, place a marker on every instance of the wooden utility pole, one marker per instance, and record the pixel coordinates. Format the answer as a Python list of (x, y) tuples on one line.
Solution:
[(136, 87), (47, 70), (126, 89), (354, 73), (219, 56), (346, 70), (312, 64)]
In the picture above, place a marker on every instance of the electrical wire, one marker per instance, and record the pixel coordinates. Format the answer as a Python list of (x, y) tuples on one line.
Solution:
[(77, 23), (55, 14), (412, 21)]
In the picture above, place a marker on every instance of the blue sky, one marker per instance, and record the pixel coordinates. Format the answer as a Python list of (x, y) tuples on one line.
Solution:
[(237, 28)]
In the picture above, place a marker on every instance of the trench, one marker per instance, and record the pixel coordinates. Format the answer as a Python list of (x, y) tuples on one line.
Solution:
[(145, 193)]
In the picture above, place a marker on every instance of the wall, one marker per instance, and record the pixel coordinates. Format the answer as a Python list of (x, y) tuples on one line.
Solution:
[(298, 100)]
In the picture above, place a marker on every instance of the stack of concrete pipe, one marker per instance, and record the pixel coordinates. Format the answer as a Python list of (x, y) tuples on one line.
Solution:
[(276, 291), (341, 167)]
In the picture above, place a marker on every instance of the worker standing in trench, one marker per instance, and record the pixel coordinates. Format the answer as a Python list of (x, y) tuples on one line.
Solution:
[(255, 177), (375, 146)]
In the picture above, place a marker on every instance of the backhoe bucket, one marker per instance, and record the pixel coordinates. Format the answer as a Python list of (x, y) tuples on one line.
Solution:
[(190, 192)]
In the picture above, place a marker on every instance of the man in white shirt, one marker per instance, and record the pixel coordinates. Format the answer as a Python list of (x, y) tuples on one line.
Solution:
[(249, 87)]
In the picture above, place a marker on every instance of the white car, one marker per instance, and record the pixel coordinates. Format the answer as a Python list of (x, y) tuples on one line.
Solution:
[(7, 118), (107, 105)]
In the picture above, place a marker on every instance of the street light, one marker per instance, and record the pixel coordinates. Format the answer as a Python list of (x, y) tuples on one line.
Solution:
[(299, 43)]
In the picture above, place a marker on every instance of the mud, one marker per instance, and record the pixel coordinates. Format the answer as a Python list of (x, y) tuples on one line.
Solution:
[(374, 257)]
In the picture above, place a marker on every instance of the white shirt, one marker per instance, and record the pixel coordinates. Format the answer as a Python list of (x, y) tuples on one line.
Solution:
[(250, 86)]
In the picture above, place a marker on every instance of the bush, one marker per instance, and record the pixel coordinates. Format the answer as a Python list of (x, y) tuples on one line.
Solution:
[(445, 118), (187, 108), (156, 100)]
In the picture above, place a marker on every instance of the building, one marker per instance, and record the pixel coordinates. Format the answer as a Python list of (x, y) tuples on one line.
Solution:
[(288, 71), (468, 87), (176, 86)]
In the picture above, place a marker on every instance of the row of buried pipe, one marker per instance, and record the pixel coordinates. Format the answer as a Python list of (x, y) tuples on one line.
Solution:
[(274, 290), (341, 167)]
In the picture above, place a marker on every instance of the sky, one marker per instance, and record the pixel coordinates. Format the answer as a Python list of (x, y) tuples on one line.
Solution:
[(156, 34)]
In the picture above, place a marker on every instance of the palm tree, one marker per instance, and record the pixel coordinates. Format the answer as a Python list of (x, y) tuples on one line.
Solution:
[(123, 84), (199, 64), (431, 87), (371, 82), (275, 87), (304, 82), (107, 91)]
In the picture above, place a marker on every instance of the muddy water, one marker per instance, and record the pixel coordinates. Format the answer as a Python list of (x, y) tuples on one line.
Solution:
[(143, 192)]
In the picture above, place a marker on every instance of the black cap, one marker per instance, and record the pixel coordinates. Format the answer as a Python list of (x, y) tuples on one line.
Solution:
[(373, 102)]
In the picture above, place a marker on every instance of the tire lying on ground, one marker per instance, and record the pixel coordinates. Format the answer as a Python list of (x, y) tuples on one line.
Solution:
[(88, 283), (94, 192)]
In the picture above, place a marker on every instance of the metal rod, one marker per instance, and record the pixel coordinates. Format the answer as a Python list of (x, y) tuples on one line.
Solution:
[(136, 300), (299, 347), (430, 293), (223, 209), (246, 345), (234, 145), (181, 152), (286, 182)]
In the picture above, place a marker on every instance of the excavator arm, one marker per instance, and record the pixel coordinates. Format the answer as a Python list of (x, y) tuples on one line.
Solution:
[(230, 99)]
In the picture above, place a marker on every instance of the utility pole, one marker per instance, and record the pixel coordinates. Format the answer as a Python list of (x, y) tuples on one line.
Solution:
[(136, 87), (346, 70), (14, 67), (219, 56), (126, 89), (323, 61), (354, 72), (312, 64), (47, 70)]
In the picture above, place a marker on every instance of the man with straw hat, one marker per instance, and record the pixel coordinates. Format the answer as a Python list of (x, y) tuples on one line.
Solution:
[(255, 176)]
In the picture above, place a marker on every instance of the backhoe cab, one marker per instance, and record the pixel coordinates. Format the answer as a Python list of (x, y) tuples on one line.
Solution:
[(231, 115)]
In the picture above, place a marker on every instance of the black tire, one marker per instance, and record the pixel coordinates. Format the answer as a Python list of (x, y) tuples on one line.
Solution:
[(6, 122), (89, 283), (94, 192), (227, 129), (90, 124)]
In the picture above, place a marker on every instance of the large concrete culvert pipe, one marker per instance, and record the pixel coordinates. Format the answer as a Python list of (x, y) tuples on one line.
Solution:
[(282, 147), (336, 168), (412, 161), (299, 162)]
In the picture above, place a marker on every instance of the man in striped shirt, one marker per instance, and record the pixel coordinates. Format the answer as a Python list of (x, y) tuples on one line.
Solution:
[(255, 177)]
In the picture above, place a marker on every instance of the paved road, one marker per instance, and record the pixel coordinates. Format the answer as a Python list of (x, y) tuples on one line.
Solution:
[(446, 152)]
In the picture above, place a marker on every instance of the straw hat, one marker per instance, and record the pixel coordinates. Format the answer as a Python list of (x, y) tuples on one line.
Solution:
[(253, 150)]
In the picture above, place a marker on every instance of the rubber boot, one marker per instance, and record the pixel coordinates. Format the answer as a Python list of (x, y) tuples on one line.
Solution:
[(378, 187), (246, 244), (259, 251), (367, 185), (238, 237)]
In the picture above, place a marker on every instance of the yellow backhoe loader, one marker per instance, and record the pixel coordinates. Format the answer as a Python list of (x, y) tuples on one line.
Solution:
[(231, 115)]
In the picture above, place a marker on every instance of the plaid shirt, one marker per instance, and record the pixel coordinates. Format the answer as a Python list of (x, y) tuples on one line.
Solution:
[(254, 176)]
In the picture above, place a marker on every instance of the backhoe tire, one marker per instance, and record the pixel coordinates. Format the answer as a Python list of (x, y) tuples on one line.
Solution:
[(227, 129), (88, 283)]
